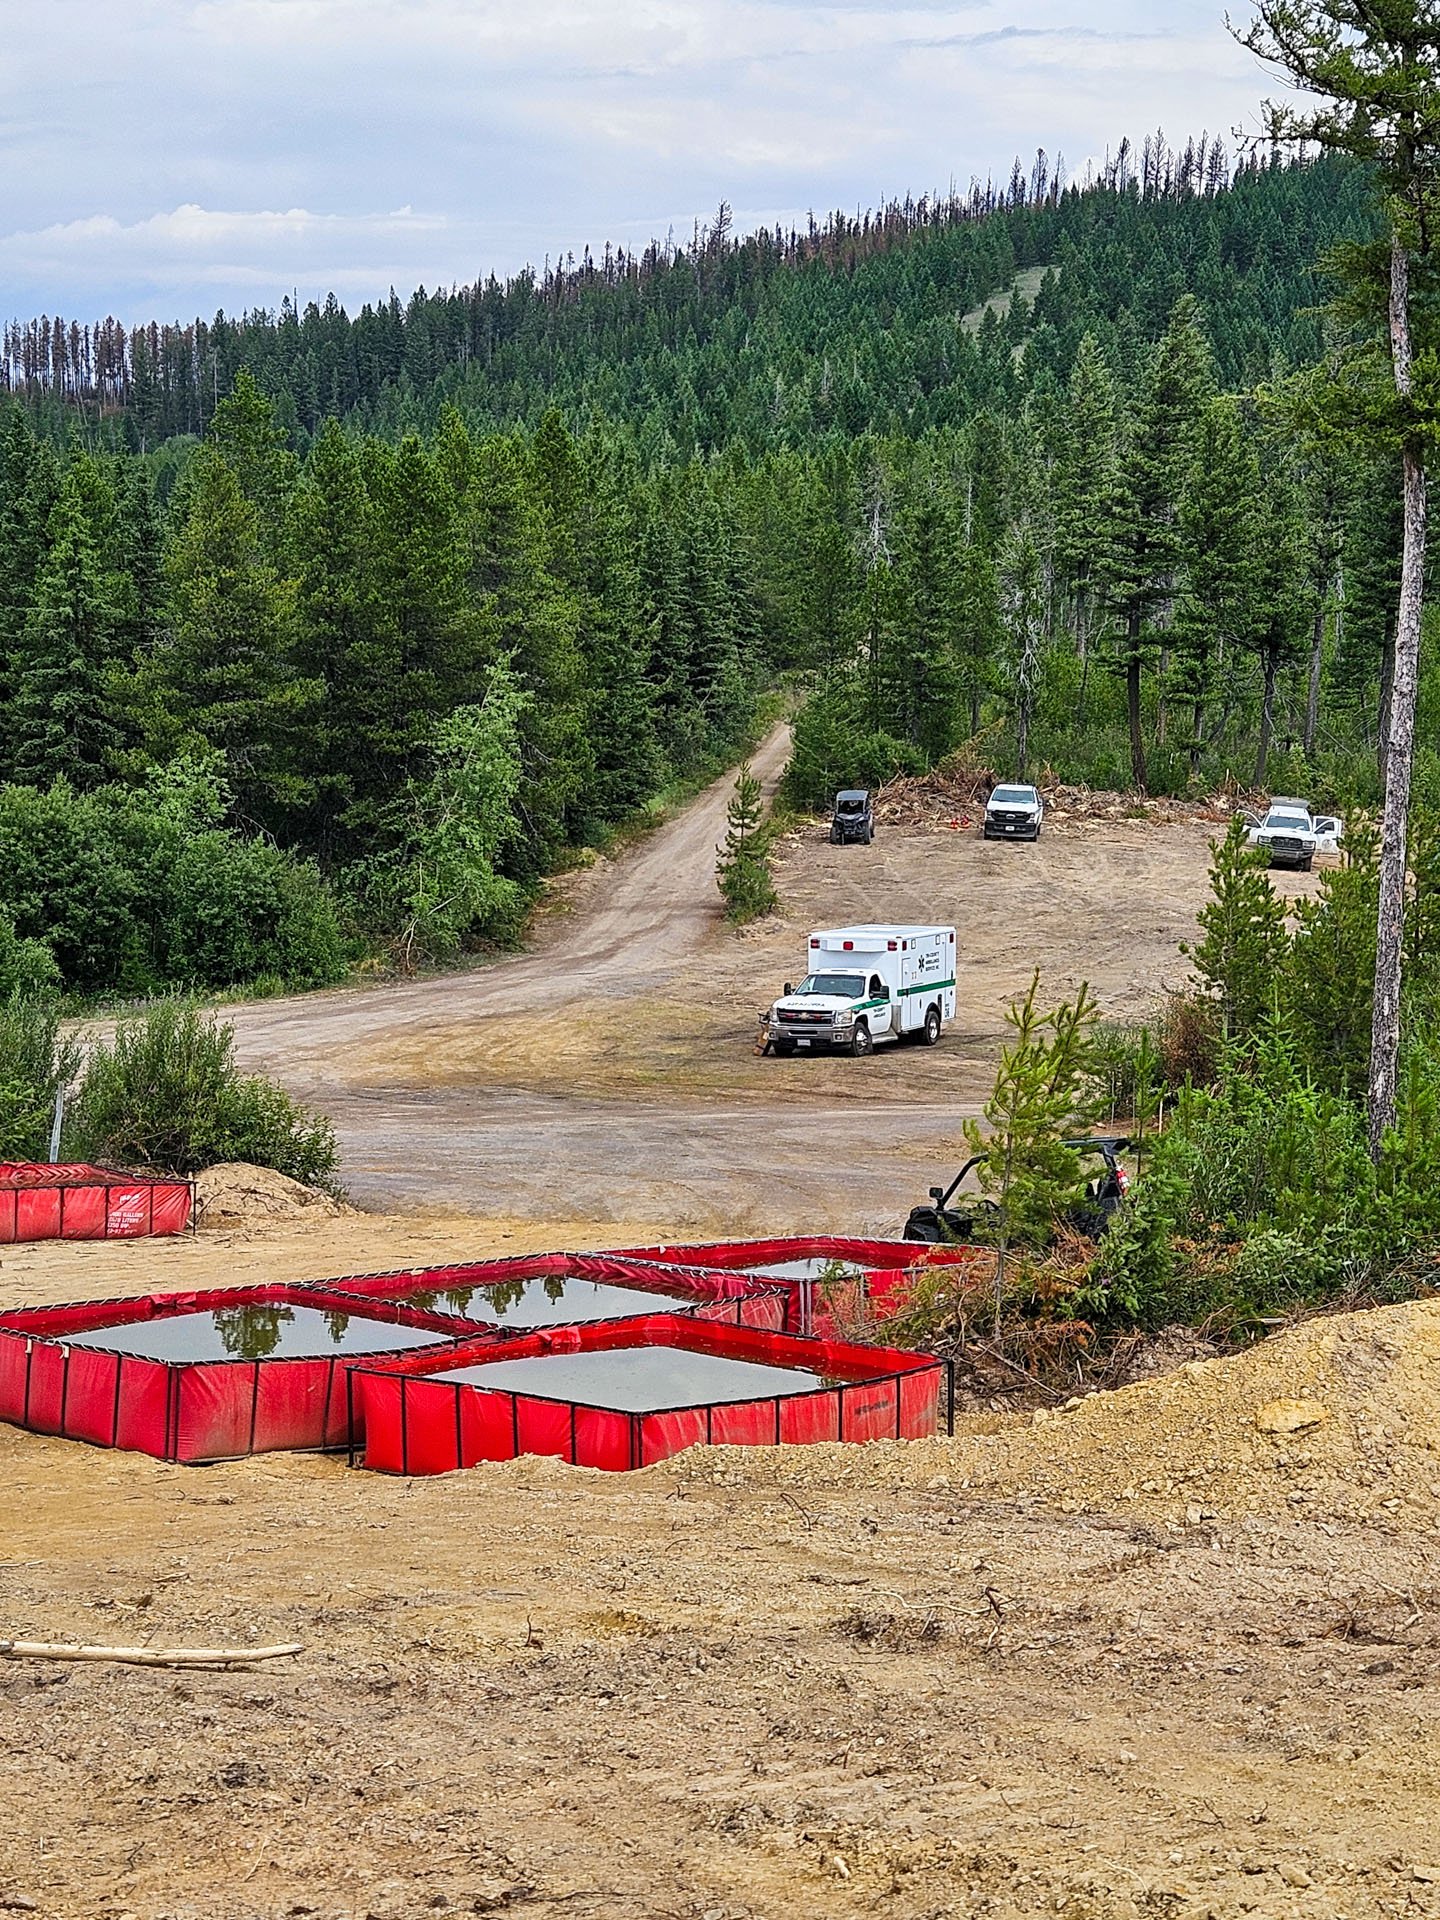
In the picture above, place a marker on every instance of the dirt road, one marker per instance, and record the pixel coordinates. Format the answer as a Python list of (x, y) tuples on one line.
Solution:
[(626, 928), (607, 1074)]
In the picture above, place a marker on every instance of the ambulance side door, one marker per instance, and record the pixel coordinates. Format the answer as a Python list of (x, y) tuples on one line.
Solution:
[(909, 1014), (880, 1006), (926, 979)]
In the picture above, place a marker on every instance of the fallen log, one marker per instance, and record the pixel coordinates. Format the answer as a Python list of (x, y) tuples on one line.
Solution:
[(147, 1656)]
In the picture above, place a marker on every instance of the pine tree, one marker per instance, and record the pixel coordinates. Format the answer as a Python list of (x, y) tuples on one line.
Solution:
[(1276, 631), (419, 640), (1141, 555), (1026, 1169), (980, 633), (743, 868), (1218, 561), (1086, 486), (1241, 960), (62, 720), (589, 552), (1370, 77), (1323, 505), (1022, 601), (926, 702), (532, 620), (224, 676), (329, 539), (243, 433), (29, 489)]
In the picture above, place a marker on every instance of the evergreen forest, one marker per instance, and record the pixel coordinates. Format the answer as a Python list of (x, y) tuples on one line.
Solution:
[(328, 636)]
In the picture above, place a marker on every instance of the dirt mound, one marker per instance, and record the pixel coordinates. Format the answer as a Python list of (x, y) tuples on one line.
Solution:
[(953, 797), (1340, 1417), (236, 1195)]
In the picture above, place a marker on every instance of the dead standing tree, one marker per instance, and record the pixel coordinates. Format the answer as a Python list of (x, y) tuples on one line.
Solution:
[(1370, 71)]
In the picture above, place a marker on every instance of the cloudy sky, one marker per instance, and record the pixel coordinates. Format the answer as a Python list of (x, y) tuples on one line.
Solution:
[(163, 158)]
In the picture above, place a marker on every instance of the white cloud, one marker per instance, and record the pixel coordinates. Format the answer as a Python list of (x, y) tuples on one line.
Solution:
[(205, 247), (522, 130)]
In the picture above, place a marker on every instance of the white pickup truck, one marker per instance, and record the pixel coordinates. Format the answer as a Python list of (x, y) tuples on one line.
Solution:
[(867, 985), (1292, 836)]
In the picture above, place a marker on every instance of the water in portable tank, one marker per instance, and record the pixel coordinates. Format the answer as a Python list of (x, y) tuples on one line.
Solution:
[(255, 1332), (549, 1300), (639, 1379)]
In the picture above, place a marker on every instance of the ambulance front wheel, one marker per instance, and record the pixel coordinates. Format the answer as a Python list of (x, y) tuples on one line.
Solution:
[(863, 1042), (931, 1034)]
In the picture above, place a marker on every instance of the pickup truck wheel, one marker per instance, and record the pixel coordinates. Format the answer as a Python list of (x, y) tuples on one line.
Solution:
[(930, 1033), (863, 1042)]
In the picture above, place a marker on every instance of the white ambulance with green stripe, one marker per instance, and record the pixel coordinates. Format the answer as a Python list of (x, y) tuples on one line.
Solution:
[(867, 985)]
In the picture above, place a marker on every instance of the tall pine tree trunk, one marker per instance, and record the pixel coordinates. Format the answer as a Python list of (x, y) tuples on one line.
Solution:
[(1312, 697), (1400, 742), (1267, 718), (1082, 648), (1387, 687), (1132, 701)]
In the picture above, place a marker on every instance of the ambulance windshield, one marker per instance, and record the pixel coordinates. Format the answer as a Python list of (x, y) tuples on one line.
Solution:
[(839, 986)]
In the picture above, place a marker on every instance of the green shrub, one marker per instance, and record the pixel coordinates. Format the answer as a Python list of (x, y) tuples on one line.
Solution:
[(1270, 1149), (833, 747), (131, 889), (166, 1093), (238, 910), (27, 967), (64, 879), (1189, 1041), (35, 1062)]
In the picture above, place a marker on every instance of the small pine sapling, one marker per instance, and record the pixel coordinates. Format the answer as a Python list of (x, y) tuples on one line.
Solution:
[(743, 869), (1039, 1096), (1242, 957)]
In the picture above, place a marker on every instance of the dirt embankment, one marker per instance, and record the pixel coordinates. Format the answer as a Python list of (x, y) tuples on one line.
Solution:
[(1172, 1653)]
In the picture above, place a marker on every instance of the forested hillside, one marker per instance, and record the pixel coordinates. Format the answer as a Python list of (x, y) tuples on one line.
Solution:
[(332, 635)]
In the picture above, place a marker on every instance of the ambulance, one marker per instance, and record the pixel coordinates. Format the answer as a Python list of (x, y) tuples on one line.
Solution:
[(865, 986)]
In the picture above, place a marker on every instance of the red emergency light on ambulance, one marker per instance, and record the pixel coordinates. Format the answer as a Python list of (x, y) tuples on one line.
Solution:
[(865, 985)]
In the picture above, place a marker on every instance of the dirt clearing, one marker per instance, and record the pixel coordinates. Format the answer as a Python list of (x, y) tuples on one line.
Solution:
[(609, 1074)]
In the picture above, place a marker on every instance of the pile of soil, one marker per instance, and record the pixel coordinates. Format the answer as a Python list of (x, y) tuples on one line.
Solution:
[(236, 1195), (952, 797), (1339, 1418), (1069, 807)]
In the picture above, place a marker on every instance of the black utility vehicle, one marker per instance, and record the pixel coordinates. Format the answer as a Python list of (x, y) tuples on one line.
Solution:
[(854, 818), (952, 1221)]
